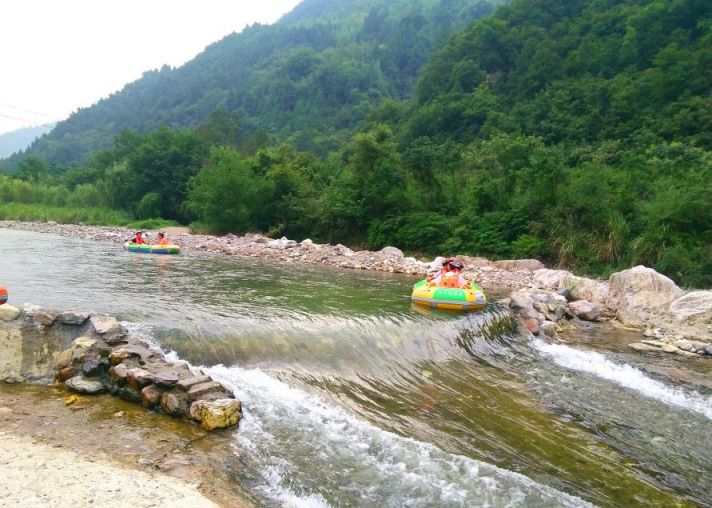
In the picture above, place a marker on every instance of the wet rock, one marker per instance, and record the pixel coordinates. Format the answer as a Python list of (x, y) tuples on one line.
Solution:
[(151, 396), (198, 391), (532, 325), (104, 324), (565, 292), (129, 351), (72, 318), (640, 295), (80, 384), (84, 342), (128, 394), (8, 312), (66, 373), (166, 378), (138, 378), (548, 328), (583, 309), (173, 404), (217, 414), (185, 384), (118, 373), (639, 346), (94, 367), (44, 317)]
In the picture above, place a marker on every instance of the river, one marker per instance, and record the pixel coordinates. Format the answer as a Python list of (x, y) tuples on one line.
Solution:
[(352, 396)]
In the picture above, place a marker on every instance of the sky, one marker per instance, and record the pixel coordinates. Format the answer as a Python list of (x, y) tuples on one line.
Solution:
[(60, 55)]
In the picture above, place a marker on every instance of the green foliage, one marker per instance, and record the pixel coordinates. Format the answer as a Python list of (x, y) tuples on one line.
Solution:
[(62, 215)]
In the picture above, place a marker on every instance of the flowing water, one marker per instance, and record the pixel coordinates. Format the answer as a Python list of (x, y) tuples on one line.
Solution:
[(354, 397)]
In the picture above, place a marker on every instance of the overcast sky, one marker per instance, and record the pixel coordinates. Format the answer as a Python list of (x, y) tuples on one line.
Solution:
[(59, 55)]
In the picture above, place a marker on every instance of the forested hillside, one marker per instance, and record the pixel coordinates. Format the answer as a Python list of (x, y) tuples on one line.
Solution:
[(574, 131), (310, 79)]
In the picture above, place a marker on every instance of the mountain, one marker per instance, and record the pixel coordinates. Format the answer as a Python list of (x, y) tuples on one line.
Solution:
[(18, 140), (310, 79)]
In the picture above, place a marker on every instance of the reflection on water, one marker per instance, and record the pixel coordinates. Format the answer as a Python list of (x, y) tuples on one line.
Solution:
[(354, 397)]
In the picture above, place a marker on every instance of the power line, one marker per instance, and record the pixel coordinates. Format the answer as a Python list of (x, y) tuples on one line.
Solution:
[(28, 111), (24, 120)]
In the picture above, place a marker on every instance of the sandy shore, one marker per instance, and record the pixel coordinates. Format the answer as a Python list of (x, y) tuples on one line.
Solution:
[(101, 451), (35, 474)]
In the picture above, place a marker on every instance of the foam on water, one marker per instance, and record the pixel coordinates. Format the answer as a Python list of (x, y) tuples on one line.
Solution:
[(312, 453), (624, 375)]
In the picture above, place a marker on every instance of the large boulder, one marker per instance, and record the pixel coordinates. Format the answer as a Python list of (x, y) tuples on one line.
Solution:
[(641, 295), (692, 314), (216, 414), (8, 312), (582, 288), (392, 252), (546, 278)]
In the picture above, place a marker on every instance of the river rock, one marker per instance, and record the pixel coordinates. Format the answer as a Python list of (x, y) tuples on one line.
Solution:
[(66, 373), (518, 265), (138, 378), (118, 373), (166, 378), (692, 313), (107, 325), (72, 317), (84, 342), (641, 295), (186, 384), (198, 391), (8, 312), (548, 328), (217, 414), (585, 310), (151, 396), (80, 384), (131, 351), (392, 252), (44, 317), (583, 288), (173, 404), (546, 278)]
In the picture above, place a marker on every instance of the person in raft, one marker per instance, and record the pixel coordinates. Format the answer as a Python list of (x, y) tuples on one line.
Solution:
[(162, 240), (449, 276), (139, 239)]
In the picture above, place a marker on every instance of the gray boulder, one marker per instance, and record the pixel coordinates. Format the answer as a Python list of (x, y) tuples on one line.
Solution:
[(641, 295)]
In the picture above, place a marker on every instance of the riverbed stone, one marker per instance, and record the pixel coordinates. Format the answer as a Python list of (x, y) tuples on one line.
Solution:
[(129, 351), (217, 414), (518, 265), (392, 252), (583, 288), (105, 324), (8, 312), (166, 378), (583, 309), (173, 404), (118, 373), (66, 373), (197, 391), (692, 313), (94, 367), (641, 295), (44, 317), (138, 378), (80, 384), (72, 317), (185, 384), (548, 328), (84, 342), (151, 396)]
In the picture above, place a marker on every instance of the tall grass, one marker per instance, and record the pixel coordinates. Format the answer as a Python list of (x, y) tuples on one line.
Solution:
[(63, 215)]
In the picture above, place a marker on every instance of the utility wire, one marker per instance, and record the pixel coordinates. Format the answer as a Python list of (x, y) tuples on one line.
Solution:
[(28, 111)]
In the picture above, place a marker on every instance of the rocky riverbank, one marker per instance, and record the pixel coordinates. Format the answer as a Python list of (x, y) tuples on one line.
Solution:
[(548, 302), (93, 354)]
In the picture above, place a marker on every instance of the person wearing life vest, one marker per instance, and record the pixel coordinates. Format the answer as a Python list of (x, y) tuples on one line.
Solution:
[(138, 239), (449, 276), (162, 239)]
